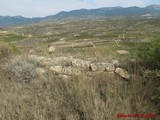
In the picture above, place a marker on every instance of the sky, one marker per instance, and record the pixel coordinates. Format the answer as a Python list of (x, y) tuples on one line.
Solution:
[(41, 8)]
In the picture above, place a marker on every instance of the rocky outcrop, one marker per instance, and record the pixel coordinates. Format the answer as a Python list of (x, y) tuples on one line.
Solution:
[(71, 66)]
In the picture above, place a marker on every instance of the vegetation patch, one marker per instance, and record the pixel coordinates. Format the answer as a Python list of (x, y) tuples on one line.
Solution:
[(13, 37)]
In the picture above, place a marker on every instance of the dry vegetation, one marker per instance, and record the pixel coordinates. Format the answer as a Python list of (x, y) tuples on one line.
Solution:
[(24, 95), (101, 96)]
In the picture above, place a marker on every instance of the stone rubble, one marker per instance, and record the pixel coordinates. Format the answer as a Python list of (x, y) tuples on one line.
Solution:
[(73, 66)]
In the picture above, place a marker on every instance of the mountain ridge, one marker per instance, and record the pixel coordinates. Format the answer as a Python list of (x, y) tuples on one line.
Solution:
[(153, 10)]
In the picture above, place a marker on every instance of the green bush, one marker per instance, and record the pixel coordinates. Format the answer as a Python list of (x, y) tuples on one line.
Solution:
[(13, 37), (14, 49), (150, 53)]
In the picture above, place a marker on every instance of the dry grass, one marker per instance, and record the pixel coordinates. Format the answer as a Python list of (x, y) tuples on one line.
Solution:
[(5, 51), (96, 96), (90, 96)]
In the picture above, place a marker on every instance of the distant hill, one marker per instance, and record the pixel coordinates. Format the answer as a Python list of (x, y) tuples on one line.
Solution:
[(149, 11), (152, 10), (16, 20)]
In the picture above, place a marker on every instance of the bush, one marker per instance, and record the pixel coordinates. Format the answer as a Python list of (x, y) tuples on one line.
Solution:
[(150, 53), (21, 69), (13, 37), (14, 49)]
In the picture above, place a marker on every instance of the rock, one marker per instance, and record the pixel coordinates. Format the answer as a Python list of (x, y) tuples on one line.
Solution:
[(122, 52), (64, 77), (76, 35), (29, 36), (123, 73), (51, 49), (56, 69), (67, 71), (116, 63), (81, 64), (40, 71), (102, 67), (110, 67)]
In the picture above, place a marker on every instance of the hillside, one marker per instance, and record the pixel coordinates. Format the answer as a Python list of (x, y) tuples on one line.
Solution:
[(149, 11), (16, 20)]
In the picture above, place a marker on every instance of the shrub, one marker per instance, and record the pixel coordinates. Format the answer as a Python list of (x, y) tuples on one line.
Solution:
[(13, 37), (21, 70), (14, 49), (150, 53)]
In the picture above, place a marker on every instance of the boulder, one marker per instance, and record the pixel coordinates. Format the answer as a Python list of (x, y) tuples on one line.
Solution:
[(51, 49), (116, 63), (64, 77), (123, 73)]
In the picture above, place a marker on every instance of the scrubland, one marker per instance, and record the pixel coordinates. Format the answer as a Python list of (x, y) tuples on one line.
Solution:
[(27, 94)]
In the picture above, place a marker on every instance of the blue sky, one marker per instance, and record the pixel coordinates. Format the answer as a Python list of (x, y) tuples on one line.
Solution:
[(41, 8)]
